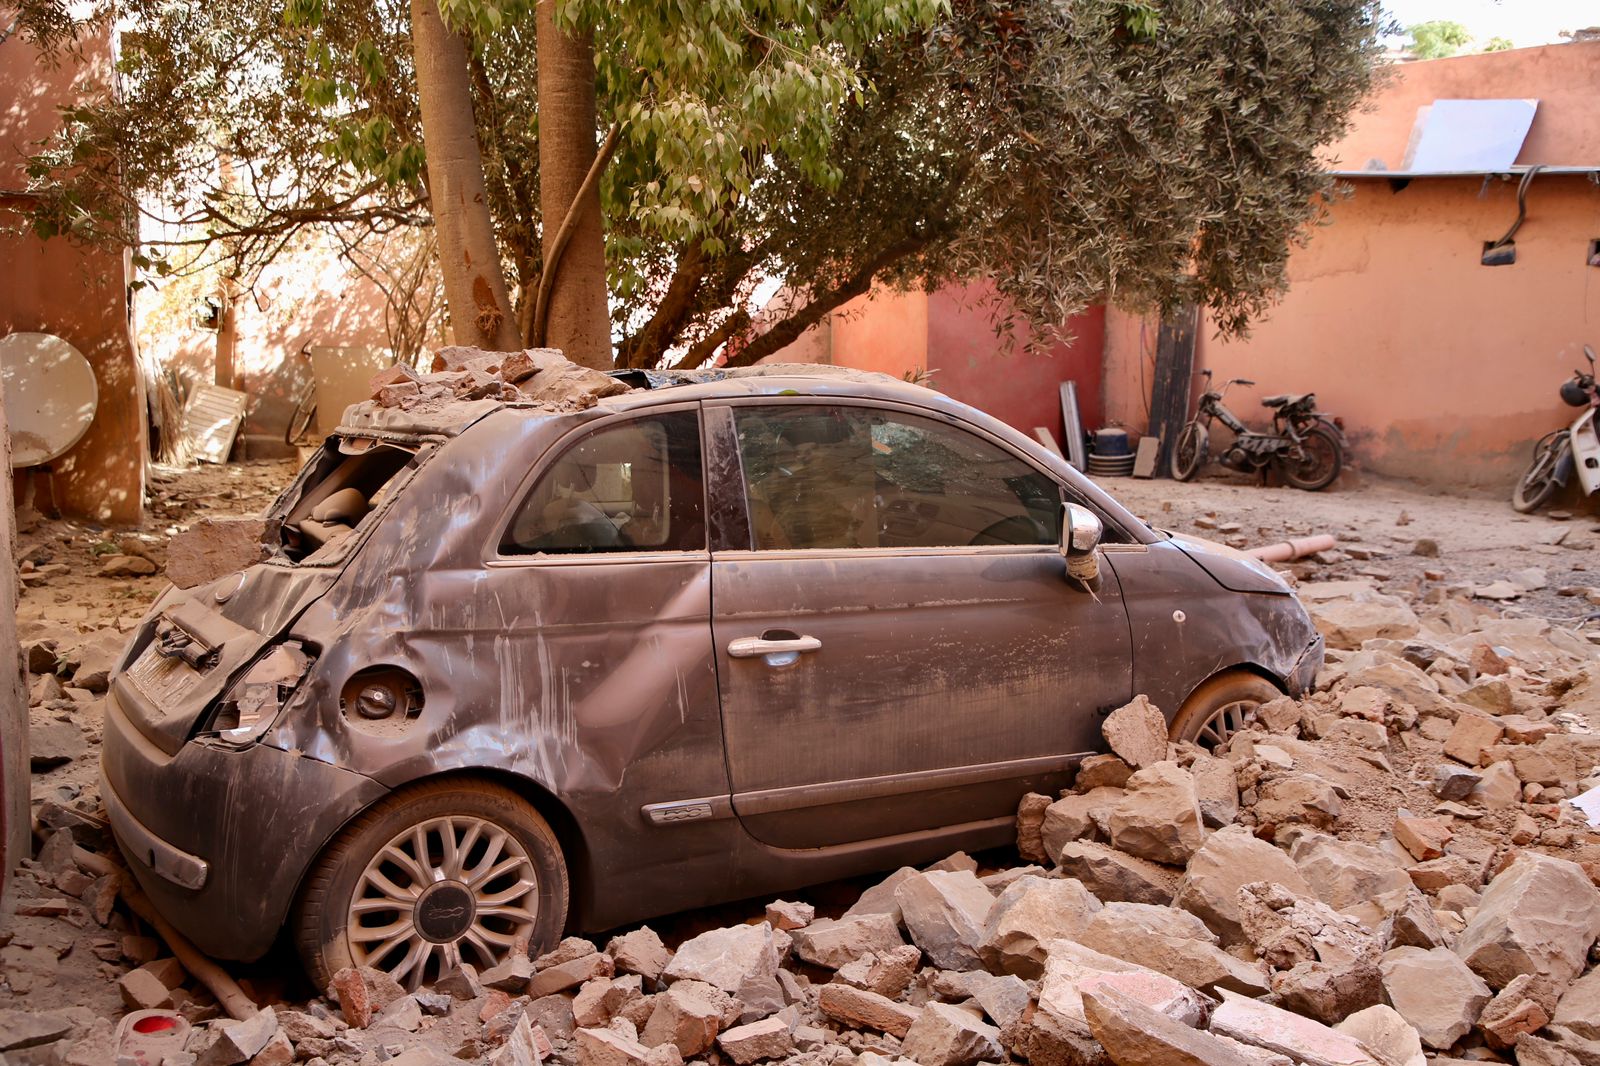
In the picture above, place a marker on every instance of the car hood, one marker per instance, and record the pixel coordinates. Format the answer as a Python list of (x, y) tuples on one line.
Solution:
[(1231, 568)]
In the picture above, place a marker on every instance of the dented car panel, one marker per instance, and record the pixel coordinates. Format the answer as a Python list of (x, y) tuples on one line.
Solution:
[(946, 682)]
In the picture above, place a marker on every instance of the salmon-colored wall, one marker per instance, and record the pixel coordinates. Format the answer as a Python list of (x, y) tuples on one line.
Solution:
[(1445, 371), (77, 292), (1562, 77), (884, 331)]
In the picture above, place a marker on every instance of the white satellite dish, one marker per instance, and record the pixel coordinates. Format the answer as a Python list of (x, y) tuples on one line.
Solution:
[(50, 395)]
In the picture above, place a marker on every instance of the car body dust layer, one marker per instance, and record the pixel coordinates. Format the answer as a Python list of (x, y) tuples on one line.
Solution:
[(716, 637)]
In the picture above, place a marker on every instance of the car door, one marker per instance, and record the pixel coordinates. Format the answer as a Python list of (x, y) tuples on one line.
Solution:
[(897, 645)]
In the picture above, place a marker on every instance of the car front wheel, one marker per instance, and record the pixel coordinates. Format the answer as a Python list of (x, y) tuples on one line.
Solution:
[(1219, 708), (439, 873)]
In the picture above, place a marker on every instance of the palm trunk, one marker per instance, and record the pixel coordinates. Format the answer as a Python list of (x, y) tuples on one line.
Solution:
[(577, 320), (474, 281)]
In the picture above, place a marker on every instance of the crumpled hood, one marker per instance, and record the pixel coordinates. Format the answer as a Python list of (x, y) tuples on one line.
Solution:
[(1231, 568)]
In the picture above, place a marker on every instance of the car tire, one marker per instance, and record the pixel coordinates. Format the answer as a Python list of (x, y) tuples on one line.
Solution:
[(1218, 708), (368, 902)]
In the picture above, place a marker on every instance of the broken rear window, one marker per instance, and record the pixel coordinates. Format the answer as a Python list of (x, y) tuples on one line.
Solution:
[(346, 481)]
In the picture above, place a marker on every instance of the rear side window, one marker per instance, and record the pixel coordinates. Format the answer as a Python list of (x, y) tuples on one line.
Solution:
[(633, 486), (852, 477)]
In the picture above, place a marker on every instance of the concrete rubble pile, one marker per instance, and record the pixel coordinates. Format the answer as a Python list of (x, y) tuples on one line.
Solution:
[(1388, 872), (542, 376)]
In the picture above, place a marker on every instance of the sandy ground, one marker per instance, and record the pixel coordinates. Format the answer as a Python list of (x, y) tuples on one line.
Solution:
[(1480, 539)]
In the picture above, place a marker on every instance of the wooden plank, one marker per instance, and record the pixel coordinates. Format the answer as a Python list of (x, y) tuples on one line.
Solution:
[(1169, 395), (1072, 425), (1144, 463), (211, 422), (1048, 439)]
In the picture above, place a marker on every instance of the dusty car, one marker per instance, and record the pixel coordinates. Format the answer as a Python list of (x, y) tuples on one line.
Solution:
[(510, 671)]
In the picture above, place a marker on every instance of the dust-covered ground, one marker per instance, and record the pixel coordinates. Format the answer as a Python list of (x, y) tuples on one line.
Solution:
[(1398, 818)]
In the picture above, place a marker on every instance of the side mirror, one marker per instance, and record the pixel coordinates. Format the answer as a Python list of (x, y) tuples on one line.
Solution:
[(1081, 531)]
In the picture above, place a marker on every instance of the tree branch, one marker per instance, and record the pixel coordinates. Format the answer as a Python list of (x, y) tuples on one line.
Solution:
[(547, 278)]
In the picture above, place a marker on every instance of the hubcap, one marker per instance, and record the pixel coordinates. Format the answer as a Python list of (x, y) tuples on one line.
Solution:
[(444, 891), (1224, 722)]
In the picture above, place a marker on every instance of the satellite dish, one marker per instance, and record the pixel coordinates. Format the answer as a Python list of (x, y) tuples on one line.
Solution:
[(50, 395)]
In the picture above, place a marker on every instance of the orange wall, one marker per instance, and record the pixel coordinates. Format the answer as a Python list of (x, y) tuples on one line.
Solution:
[(78, 293), (1562, 77), (1444, 370)]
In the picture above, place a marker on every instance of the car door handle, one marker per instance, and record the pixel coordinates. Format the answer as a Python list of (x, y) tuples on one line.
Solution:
[(787, 648)]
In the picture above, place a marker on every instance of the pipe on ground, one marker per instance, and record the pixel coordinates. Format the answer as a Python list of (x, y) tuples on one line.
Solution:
[(1298, 548)]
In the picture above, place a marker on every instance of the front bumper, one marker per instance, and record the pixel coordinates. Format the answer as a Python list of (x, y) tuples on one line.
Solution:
[(1303, 675), (219, 839)]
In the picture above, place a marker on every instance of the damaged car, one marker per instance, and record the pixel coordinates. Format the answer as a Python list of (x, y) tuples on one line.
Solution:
[(507, 668)]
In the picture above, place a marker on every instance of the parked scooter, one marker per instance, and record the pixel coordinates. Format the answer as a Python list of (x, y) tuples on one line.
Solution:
[(1558, 452), (1305, 445)]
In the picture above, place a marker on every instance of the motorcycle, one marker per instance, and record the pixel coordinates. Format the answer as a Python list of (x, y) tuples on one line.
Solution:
[(1306, 446), (1558, 452)]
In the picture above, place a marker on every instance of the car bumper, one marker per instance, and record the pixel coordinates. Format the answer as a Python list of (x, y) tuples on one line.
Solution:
[(219, 839), (1303, 674)]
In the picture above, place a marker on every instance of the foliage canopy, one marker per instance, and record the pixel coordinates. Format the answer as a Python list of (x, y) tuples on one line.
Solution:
[(1156, 152)]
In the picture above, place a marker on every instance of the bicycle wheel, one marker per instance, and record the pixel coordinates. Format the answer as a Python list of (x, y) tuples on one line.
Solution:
[(1188, 452), (305, 412)]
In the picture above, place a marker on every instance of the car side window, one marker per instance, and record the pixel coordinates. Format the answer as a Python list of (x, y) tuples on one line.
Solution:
[(634, 486), (853, 477)]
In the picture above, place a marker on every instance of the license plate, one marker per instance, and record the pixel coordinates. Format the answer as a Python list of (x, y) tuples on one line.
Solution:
[(164, 681)]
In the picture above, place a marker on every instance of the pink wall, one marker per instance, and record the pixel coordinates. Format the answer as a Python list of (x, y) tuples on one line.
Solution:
[(78, 293), (1020, 388), (952, 333)]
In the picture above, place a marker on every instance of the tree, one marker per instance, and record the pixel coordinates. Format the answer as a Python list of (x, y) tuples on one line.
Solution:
[(1438, 39), (1499, 44), (1066, 153)]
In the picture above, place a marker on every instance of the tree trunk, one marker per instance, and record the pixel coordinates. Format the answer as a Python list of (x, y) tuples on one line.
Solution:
[(578, 320), (15, 823), (474, 282)]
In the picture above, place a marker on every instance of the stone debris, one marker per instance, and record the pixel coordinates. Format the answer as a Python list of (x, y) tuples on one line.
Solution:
[(1391, 867)]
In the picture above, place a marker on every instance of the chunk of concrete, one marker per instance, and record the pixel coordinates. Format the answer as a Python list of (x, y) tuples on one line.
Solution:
[(1540, 916), (1263, 1025), (1071, 969), (1171, 942), (741, 960), (949, 1035), (641, 952), (1137, 733), (1112, 875), (1434, 991), (880, 898), (945, 913), (1228, 860), (769, 1038), (861, 1009), (1159, 817), (1030, 913), (687, 1015), (1135, 1035), (1217, 789), (1386, 1034), (833, 943), (1343, 873), (214, 547)]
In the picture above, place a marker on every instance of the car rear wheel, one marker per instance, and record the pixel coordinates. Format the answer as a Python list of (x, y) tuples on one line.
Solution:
[(1220, 707), (439, 873)]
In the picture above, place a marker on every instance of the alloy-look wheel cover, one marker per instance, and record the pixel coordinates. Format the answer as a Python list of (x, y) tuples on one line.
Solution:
[(447, 890), (1224, 722)]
